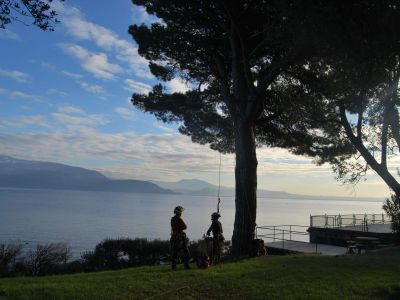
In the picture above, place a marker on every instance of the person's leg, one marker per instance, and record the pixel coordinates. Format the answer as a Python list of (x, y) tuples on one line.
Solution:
[(174, 256), (216, 251), (186, 255)]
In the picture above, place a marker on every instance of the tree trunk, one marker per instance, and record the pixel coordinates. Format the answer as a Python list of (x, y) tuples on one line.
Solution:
[(246, 186)]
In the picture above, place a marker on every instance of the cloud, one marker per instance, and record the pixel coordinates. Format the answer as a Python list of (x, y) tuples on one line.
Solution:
[(57, 92), (163, 128), (92, 88), (137, 87), (95, 63), (155, 156), (19, 122), (165, 156), (72, 75), (9, 35), (124, 51), (177, 85), (19, 94), (74, 116), (89, 120), (15, 75), (125, 113), (139, 16), (69, 109)]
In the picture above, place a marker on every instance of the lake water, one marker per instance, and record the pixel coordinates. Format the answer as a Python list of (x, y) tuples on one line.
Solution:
[(82, 219)]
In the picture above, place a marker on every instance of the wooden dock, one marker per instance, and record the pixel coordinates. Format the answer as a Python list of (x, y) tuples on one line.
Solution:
[(304, 247)]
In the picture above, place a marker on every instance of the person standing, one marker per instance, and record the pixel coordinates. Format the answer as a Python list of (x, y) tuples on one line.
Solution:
[(179, 241), (218, 238)]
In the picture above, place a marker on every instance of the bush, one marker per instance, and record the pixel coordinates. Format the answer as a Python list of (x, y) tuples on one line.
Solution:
[(8, 254), (125, 252), (47, 259), (392, 208)]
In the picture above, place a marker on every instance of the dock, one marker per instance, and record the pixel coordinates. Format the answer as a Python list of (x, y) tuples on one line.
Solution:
[(304, 247), (327, 234)]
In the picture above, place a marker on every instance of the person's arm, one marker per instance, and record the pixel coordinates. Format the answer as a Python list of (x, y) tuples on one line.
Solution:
[(209, 229), (220, 227), (182, 224)]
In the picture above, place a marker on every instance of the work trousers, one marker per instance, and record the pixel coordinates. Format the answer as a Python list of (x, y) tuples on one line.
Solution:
[(179, 243)]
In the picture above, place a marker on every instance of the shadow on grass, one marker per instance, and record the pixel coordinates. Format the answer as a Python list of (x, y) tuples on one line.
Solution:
[(392, 294)]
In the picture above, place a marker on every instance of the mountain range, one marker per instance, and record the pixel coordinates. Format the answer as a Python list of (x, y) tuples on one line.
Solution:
[(19, 173)]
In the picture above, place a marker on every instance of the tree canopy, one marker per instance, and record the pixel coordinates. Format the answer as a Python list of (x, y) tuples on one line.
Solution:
[(237, 55), (358, 77), (37, 12)]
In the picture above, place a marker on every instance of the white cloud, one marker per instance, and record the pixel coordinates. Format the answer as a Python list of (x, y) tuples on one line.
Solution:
[(77, 26), (75, 116), (160, 126), (72, 75), (137, 87), (157, 156), (89, 120), (95, 63), (9, 35), (139, 16), (19, 94), (125, 113), (177, 85), (57, 92), (92, 88), (71, 110), (19, 122), (15, 75), (162, 157)]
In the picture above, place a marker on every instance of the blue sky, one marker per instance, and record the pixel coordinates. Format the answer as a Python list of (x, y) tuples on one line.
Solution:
[(64, 97)]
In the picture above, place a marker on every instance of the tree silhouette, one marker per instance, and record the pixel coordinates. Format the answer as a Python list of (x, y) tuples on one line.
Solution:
[(38, 12), (237, 56), (358, 76)]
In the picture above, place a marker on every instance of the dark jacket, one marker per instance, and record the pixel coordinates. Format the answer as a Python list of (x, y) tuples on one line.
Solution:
[(177, 224), (215, 228)]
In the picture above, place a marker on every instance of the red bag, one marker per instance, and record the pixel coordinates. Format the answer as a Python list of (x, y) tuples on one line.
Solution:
[(203, 262)]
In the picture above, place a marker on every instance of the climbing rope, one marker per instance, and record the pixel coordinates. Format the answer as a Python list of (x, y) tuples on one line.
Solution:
[(219, 182)]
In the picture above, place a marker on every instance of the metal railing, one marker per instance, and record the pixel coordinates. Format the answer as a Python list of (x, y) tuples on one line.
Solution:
[(282, 233), (360, 221)]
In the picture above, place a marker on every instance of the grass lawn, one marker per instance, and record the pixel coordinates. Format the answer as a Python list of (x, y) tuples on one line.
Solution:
[(372, 276)]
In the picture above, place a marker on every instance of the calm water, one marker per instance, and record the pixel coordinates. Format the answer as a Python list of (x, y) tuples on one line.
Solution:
[(82, 219)]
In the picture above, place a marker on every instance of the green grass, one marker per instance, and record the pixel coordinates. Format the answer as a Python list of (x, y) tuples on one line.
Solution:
[(373, 276)]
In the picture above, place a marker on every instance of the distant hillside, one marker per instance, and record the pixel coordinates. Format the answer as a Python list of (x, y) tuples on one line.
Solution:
[(202, 188), (18, 173), (197, 187)]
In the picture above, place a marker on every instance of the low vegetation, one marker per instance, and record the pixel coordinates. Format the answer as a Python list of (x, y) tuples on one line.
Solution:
[(110, 254), (372, 276)]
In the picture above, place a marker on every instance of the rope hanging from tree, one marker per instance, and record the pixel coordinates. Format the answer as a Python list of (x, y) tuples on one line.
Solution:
[(219, 182)]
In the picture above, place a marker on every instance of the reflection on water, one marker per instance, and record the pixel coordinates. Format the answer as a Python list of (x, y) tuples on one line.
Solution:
[(82, 219)]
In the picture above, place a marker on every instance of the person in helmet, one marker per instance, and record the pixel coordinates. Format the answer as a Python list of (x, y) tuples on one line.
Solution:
[(179, 241), (218, 238)]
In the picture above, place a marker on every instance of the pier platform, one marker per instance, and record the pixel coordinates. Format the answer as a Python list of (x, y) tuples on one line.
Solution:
[(304, 247)]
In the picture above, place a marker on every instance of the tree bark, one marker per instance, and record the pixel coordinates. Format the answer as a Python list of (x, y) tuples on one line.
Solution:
[(246, 186)]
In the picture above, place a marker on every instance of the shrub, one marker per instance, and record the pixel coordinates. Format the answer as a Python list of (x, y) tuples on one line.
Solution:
[(8, 254), (392, 208), (125, 252), (47, 259)]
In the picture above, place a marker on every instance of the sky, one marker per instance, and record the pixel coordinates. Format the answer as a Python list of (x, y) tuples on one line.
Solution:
[(65, 97)]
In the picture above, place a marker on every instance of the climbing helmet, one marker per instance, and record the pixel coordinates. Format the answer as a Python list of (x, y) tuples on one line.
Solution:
[(178, 209)]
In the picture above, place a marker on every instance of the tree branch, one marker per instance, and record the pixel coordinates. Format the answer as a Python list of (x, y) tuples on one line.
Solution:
[(360, 114), (384, 139), (224, 85), (370, 159)]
